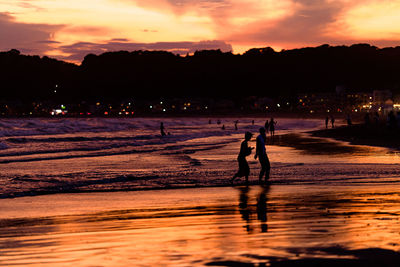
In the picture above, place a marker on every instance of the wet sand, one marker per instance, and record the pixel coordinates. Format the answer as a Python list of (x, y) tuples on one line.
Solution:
[(278, 225)]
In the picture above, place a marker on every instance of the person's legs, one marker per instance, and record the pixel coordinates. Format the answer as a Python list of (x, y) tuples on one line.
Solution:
[(265, 168)]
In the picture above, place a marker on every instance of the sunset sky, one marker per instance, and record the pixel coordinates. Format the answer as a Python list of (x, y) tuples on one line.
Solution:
[(70, 29)]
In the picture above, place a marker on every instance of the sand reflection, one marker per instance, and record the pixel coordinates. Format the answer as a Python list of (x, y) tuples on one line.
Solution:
[(221, 226)]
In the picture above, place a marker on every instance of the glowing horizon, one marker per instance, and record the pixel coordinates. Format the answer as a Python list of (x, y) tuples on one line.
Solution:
[(70, 29)]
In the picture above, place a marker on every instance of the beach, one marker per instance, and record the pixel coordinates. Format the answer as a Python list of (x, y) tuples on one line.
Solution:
[(117, 194), (226, 226)]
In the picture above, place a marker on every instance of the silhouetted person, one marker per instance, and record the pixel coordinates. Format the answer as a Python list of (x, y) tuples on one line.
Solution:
[(326, 122), (349, 123), (333, 122), (162, 128), (223, 127), (245, 150), (272, 124), (261, 153), (252, 122), (262, 208), (236, 123), (266, 126)]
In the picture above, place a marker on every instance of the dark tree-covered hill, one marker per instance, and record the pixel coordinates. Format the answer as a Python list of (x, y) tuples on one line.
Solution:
[(259, 71)]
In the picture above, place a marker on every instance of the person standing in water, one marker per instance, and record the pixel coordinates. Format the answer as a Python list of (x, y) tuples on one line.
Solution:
[(272, 124), (261, 153), (162, 128), (266, 126), (245, 150)]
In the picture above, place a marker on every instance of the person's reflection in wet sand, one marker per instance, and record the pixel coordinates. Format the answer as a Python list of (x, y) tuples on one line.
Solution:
[(245, 208), (262, 208)]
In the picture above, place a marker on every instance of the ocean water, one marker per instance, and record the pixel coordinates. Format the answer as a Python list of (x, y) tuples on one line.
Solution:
[(64, 155)]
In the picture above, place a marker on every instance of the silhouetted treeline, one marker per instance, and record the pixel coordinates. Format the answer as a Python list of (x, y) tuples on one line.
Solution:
[(260, 72)]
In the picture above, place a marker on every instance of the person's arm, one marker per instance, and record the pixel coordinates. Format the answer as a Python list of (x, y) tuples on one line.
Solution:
[(257, 148)]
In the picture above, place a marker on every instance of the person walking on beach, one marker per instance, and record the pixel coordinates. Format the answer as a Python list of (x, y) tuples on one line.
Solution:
[(245, 150), (162, 128), (333, 121), (261, 153), (236, 123), (326, 122), (272, 124)]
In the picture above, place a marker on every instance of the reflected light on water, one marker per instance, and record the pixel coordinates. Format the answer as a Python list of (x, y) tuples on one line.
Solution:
[(198, 226)]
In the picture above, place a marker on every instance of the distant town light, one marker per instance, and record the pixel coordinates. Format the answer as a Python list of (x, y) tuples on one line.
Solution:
[(278, 105), (164, 110)]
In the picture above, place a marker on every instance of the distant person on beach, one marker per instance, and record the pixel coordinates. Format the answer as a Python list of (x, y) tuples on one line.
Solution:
[(236, 123), (326, 122), (223, 127), (333, 122), (162, 128), (272, 124), (266, 126), (349, 123), (261, 153), (245, 150)]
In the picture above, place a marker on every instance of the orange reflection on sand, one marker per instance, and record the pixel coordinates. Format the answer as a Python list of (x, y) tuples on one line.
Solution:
[(198, 226)]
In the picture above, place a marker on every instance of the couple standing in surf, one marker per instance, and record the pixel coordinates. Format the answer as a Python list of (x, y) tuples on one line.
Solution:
[(261, 154)]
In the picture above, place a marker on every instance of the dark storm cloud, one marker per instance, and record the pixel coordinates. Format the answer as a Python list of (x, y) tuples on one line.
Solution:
[(28, 38), (79, 50)]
